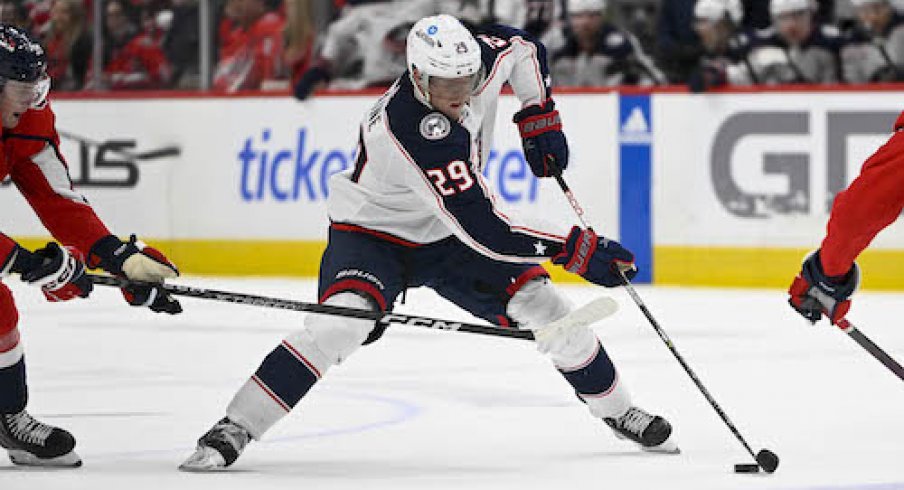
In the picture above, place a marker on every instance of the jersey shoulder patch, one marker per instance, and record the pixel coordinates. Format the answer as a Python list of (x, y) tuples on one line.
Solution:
[(435, 126)]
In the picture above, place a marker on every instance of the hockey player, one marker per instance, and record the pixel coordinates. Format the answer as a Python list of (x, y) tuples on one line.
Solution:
[(31, 157), (829, 276), (875, 50), (796, 49), (415, 210)]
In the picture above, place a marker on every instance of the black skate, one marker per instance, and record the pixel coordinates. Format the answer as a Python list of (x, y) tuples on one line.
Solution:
[(651, 432), (32, 443), (218, 448)]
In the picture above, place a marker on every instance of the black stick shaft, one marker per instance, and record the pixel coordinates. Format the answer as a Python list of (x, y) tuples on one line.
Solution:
[(874, 350), (287, 304), (579, 211), (690, 372)]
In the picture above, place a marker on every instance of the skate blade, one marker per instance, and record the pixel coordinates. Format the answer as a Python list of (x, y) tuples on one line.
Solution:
[(667, 447), (204, 460), (25, 458)]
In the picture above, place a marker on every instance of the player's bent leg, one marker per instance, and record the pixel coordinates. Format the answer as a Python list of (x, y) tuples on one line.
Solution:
[(580, 357), (282, 379), (27, 440)]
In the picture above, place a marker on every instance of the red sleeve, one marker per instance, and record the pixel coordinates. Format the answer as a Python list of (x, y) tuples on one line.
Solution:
[(872, 201), (39, 171), (7, 247)]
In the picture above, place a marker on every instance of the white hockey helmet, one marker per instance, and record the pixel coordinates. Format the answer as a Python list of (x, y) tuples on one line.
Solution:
[(578, 6), (716, 10), (440, 46), (779, 7)]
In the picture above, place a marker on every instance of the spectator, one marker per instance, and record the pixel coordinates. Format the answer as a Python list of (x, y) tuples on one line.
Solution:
[(298, 37), (796, 49), (723, 62), (132, 60), (68, 45), (596, 53), (180, 44), (678, 47), (365, 47), (13, 12), (253, 53), (876, 49)]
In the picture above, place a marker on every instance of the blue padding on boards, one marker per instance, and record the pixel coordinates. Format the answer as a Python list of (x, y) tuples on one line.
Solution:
[(635, 158), (286, 376)]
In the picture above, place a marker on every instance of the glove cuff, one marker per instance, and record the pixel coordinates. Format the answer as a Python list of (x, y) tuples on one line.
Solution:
[(23, 260), (109, 253)]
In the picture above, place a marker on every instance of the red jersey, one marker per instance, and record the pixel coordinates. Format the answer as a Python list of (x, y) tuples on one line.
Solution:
[(31, 157), (139, 64), (252, 55), (873, 201)]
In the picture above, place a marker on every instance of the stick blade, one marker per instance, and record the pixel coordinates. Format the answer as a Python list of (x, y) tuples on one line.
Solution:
[(586, 315)]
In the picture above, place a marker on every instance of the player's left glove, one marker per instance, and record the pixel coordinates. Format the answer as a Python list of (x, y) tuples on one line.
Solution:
[(814, 294), (595, 258), (135, 260), (545, 148), (58, 271)]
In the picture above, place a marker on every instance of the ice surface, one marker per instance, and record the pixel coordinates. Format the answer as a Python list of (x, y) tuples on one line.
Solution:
[(427, 409)]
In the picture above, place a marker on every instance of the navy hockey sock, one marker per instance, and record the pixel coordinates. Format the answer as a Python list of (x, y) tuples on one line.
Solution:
[(13, 388), (593, 377)]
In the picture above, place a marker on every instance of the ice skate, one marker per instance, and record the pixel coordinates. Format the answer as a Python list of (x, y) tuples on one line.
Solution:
[(218, 448), (651, 432), (32, 443)]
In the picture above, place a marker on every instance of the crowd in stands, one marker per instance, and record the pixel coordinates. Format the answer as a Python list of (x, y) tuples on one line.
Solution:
[(304, 45)]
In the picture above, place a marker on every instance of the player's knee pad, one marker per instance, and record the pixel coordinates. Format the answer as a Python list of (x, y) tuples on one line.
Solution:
[(538, 303), (334, 338)]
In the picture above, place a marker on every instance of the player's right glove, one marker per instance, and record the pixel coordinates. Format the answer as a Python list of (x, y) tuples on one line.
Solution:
[(545, 148), (58, 271), (814, 294), (135, 260), (595, 258)]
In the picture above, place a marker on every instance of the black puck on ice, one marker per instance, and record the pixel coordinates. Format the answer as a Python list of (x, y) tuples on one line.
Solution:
[(746, 468), (768, 460)]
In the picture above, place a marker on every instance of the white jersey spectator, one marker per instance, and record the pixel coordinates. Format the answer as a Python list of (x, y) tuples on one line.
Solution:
[(875, 49), (596, 53)]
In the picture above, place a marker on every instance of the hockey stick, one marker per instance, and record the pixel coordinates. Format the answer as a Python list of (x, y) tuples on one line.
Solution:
[(163, 152), (876, 351), (765, 458), (584, 316)]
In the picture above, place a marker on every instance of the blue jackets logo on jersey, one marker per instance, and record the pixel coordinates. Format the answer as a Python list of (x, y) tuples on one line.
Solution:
[(435, 126)]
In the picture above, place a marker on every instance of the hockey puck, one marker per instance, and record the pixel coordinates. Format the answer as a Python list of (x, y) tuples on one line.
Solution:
[(746, 468), (768, 460)]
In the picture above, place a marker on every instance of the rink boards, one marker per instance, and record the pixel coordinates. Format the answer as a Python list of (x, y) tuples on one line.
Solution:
[(722, 189)]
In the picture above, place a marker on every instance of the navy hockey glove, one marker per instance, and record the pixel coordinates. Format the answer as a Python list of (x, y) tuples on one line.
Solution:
[(135, 260), (814, 294), (58, 271), (595, 258), (545, 148)]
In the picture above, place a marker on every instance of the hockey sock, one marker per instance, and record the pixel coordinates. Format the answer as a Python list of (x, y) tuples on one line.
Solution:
[(13, 389), (596, 382)]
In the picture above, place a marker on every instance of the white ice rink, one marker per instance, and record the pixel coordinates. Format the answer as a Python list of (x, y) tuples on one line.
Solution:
[(428, 410)]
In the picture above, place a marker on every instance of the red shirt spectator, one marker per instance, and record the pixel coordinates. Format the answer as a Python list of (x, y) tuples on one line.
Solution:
[(132, 60), (256, 54)]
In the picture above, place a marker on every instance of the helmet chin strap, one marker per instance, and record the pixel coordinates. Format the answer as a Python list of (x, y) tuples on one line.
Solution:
[(422, 93)]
